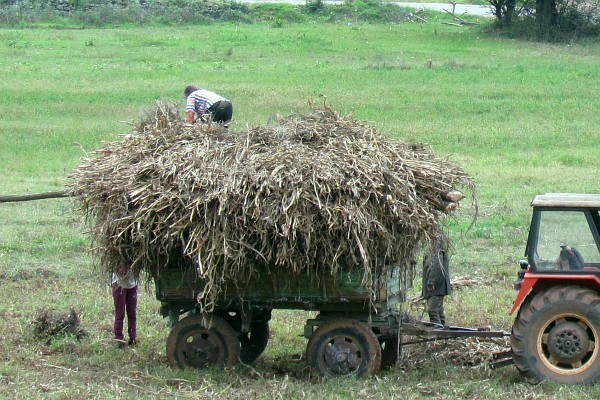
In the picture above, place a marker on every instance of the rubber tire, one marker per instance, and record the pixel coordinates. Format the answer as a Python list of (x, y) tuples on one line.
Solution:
[(191, 344), (389, 353), (344, 336), (576, 309), (254, 342)]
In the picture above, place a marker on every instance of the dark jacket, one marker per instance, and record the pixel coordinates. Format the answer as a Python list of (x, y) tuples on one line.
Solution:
[(436, 271)]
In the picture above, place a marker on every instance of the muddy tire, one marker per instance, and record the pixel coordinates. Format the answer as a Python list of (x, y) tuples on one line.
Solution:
[(254, 342), (191, 345), (389, 353), (556, 336), (344, 347)]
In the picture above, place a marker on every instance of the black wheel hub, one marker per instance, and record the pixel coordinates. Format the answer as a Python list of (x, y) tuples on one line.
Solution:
[(343, 357), (201, 350), (568, 342)]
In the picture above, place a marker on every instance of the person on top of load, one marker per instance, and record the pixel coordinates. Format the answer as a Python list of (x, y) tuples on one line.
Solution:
[(204, 105)]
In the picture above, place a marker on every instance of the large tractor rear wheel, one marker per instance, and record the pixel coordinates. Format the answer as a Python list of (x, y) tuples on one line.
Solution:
[(556, 336)]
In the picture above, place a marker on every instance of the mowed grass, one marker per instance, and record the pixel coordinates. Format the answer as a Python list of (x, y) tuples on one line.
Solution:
[(521, 117)]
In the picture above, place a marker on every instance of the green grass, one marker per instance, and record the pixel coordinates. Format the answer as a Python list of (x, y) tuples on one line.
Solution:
[(520, 117)]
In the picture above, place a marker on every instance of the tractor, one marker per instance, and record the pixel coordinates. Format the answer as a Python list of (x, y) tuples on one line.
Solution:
[(556, 332)]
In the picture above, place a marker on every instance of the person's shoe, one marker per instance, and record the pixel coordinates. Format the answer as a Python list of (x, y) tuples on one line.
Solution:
[(133, 342)]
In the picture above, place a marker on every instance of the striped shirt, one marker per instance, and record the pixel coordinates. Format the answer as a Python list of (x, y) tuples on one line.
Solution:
[(201, 100)]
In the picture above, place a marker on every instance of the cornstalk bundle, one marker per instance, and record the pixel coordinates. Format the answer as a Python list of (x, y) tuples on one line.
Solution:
[(466, 352), (309, 193)]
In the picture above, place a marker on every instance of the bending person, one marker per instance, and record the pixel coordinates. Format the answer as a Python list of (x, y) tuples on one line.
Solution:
[(204, 105)]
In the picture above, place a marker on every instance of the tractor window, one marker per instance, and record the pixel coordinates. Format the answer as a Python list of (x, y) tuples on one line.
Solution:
[(565, 242)]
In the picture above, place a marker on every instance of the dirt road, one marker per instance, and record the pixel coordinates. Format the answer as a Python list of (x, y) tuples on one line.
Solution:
[(470, 9)]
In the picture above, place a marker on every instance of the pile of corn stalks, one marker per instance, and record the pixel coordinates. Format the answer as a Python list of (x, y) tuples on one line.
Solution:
[(466, 352), (310, 193), (51, 324)]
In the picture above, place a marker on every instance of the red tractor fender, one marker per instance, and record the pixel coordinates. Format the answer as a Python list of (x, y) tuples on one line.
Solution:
[(533, 282)]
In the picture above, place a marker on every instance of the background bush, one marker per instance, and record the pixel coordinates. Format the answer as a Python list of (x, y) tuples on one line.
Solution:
[(93, 14)]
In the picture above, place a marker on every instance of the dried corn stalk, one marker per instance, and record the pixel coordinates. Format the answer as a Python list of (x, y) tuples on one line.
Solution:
[(315, 193)]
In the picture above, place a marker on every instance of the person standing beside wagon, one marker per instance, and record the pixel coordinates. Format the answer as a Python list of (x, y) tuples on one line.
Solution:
[(436, 279), (125, 296)]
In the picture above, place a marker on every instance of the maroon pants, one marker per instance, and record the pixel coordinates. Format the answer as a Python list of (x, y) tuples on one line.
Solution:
[(125, 302)]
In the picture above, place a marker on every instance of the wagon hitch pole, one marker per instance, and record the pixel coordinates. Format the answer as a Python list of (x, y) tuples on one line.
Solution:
[(34, 196)]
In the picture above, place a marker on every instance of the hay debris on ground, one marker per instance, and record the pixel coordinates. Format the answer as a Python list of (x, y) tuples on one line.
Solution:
[(462, 282), (52, 324), (317, 192), (466, 352)]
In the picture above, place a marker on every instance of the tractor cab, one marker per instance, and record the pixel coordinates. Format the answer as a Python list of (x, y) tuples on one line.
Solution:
[(564, 234), (563, 244)]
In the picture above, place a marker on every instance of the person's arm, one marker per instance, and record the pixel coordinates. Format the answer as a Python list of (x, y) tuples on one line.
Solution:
[(191, 116), (190, 109)]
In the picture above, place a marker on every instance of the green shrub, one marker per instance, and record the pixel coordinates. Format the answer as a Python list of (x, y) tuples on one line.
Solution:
[(277, 13), (27, 13), (314, 6), (106, 15), (570, 26), (89, 13), (360, 11), (560, 21)]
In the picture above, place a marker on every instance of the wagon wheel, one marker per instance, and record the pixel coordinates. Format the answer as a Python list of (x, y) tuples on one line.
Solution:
[(389, 352), (191, 344), (344, 347), (556, 336), (254, 342)]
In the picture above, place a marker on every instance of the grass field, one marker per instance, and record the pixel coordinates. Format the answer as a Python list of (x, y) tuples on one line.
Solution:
[(521, 117)]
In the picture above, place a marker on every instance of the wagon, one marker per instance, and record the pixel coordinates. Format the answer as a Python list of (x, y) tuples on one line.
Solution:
[(354, 333)]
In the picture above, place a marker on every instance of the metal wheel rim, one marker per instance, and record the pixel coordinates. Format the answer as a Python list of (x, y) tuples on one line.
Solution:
[(547, 353), (201, 348), (342, 355)]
